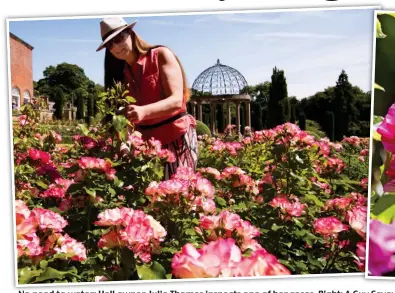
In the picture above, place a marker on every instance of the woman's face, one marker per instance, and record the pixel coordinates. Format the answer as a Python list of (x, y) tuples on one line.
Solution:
[(121, 45)]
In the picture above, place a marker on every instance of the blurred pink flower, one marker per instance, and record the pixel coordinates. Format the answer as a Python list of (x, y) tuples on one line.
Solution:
[(57, 137), (101, 279), (260, 263), (205, 187), (207, 205), (361, 254), (329, 226), (294, 209), (114, 217), (29, 245), (110, 240), (216, 259), (357, 218), (23, 120), (387, 130), (212, 171), (88, 142), (364, 183), (341, 203), (67, 246), (381, 248), (41, 156), (48, 219)]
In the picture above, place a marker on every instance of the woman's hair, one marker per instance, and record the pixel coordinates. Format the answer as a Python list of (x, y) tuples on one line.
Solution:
[(113, 67)]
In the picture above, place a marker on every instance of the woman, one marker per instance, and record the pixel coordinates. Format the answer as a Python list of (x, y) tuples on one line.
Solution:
[(156, 79)]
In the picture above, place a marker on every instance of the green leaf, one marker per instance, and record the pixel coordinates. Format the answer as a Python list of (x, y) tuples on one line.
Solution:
[(52, 274), (375, 135), (378, 87), (119, 122), (26, 274), (386, 13), (118, 183), (220, 201), (41, 184), (288, 244), (190, 232), (298, 223), (84, 129), (43, 264), (275, 227), (155, 271), (314, 199), (130, 99), (379, 31), (384, 209), (377, 119), (112, 191), (90, 191)]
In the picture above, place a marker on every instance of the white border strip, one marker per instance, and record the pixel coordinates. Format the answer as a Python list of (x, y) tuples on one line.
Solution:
[(364, 7), (8, 20)]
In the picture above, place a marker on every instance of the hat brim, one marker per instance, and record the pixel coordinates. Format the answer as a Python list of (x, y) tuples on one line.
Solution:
[(116, 32)]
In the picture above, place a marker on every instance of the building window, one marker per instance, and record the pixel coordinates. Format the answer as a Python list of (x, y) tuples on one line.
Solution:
[(26, 97), (16, 98)]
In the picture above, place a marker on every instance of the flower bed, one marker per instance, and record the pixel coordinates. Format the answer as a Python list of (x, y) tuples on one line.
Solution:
[(279, 202)]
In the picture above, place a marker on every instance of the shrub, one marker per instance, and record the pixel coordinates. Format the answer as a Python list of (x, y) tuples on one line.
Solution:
[(202, 129), (315, 128)]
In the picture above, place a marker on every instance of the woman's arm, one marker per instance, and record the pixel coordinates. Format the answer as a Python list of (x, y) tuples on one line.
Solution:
[(171, 77)]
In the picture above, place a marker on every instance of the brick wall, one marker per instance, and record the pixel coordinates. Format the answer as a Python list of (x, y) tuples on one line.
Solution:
[(21, 66)]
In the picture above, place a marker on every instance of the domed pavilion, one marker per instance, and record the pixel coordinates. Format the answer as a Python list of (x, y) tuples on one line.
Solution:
[(218, 85)]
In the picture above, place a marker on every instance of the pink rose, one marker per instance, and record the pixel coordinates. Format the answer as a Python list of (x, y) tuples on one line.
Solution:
[(216, 259), (329, 226), (357, 218)]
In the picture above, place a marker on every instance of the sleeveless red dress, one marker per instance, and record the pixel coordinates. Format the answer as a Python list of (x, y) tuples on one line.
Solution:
[(179, 135)]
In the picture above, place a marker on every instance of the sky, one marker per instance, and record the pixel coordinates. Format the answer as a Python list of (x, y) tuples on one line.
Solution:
[(312, 47)]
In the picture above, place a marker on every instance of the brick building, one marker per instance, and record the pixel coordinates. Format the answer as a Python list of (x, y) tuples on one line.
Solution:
[(21, 71)]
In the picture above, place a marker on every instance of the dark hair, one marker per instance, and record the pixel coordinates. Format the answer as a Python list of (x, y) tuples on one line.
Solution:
[(113, 67)]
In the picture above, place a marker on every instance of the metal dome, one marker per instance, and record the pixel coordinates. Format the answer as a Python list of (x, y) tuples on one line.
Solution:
[(220, 80)]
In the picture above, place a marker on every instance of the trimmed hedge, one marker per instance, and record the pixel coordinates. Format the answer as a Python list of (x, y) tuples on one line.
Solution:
[(202, 128)]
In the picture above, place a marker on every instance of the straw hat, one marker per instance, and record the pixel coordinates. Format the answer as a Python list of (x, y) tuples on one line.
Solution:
[(110, 27)]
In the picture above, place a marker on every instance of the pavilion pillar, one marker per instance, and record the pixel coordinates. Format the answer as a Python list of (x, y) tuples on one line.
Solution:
[(212, 115), (199, 111), (248, 113), (228, 114), (238, 118), (193, 106)]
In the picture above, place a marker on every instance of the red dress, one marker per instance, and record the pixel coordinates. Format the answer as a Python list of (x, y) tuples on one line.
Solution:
[(177, 132)]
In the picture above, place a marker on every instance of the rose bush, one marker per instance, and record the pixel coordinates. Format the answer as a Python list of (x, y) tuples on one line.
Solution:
[(277, 202)]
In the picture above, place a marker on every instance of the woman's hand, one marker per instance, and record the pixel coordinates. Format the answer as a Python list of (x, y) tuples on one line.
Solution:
[(135, 114)]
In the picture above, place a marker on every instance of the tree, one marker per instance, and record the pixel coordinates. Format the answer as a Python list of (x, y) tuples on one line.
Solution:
[(98, 90), (293, 104), (89, 109), (293, 114), (278, 109), (331, 123), (343, 106), (68, 77), (259, 93), (80, 103), (256, 116), (58, 97), (264, 117), (302, 121), (262, 92)]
